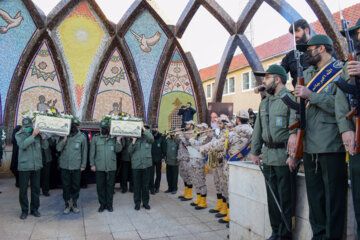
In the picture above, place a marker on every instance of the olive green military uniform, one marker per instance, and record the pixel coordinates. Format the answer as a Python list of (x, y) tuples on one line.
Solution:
[(172, 164), (158, 152), (73, 157), (125, 166), (141, 162), (103, 151), (1, 146), (29, 167), (342, 107), (324, 163), (45, 171), (274, 156)]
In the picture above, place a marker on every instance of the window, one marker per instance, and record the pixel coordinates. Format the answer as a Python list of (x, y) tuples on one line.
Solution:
[(249, 81), (246, 81), (208, 90), (229, 86)]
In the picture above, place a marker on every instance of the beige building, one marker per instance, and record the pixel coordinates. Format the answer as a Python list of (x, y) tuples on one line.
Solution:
[(240, 80)]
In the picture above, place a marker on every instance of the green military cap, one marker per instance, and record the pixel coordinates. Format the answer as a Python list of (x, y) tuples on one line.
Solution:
[(26, 122), (104, 123), (353, 28), (273, 69), (319, 39), (75, 121)]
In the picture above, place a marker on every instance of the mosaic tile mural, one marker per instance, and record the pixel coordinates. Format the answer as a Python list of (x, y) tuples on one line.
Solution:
[(82, 39), (16, 29), (177, 90), (114, 93), (146, 41), (41, 87)]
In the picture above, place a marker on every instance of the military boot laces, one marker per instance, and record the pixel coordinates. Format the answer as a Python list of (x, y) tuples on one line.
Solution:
[(67, 208), (75, 208)]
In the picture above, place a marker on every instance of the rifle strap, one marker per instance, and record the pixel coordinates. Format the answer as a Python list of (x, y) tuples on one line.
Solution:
[(268, 120)]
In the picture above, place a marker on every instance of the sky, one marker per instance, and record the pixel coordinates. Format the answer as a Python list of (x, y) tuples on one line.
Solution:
[(205, 37)]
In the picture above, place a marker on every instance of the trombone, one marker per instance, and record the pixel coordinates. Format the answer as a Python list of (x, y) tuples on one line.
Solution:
[(206, 131), (174, 132)]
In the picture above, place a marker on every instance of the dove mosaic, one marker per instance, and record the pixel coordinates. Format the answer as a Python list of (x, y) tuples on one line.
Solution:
[(16, 29), (177, 90), (146, 41), (114, 94), (82, 38), (40, 88)]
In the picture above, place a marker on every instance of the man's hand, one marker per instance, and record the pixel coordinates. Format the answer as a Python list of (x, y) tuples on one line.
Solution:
[(64, 139), (292, 163), (303, 92), (134, 140), (82, 169), (291, 147), (348, 139), (93, 168), (42, 136), (187, 136), (255, 159), (353, 68), (118, 138), (35, 132)]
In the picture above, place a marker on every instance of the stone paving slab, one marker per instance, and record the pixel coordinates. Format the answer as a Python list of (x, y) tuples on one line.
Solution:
[(169, 218)]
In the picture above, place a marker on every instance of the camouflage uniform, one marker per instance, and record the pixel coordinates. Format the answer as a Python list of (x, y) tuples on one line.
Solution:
[(197, 165), (184, 160), (238, 139)]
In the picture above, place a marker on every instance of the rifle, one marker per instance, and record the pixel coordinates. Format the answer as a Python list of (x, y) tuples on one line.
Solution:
[(298, 106), (353, 88)]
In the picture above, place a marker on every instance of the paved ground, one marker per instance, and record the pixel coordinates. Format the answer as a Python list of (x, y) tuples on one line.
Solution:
[(168, 218)]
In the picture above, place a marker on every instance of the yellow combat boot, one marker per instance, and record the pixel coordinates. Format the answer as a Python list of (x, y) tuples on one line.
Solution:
[(202, 204), (184, 194), (225, 219), (218, 206), (195, 203), (188, 196), (223, 211)]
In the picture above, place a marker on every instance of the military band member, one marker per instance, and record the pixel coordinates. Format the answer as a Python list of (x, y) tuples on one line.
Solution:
[(271, 129), (197, 166), (141, 161), (30, 163), (324, 153), (103, 151), (184, 162), (73, 160), (172, 164), (158, 151), (346, 127)]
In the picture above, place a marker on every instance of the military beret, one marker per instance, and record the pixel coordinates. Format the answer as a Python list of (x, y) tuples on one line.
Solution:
[(26, 122), (353, 28), (104, 123), (319, 39), (75, 121), (273, 69)]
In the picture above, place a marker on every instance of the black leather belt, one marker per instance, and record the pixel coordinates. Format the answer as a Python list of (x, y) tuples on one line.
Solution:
[(275, 145)]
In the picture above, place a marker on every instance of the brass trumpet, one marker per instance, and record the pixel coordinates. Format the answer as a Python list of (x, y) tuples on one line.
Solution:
[(174, 132), (205, 131)]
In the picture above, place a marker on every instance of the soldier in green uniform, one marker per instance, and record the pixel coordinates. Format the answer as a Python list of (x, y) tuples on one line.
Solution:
[(30, 163), (103, 151), (172, 164), (346, 127), (324, 153), (158, 152), (73, 159), (141, 161), (125, 166), (271, 129), (45, 171)]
